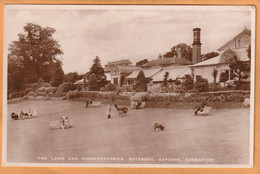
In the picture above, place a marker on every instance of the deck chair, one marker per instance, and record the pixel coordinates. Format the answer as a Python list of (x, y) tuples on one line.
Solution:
[(205, 111)]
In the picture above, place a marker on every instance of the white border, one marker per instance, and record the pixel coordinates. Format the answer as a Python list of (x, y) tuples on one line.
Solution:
[(135, 7)]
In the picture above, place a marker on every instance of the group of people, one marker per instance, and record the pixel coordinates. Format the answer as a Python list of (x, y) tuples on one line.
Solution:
[(22, 114), (65, 122)]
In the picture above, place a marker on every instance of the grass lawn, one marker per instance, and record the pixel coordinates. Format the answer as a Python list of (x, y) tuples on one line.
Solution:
[(222, 137)]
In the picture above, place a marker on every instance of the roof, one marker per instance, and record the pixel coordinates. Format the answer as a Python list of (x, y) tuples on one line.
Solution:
[(245, 31), (167, 61), (148, 73), (174, 73), (126, 61), (240, 53), (80, 82)]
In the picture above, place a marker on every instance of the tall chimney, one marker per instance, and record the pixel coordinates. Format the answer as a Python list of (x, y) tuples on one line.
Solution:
[(196, 49)]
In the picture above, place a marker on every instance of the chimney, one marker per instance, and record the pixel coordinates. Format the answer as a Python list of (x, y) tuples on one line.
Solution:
[(196, 49)]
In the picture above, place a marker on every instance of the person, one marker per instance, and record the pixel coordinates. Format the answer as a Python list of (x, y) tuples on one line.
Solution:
[(67, 123), (201, 108), (30, 113), (109, 111), (87, 104), (22, 114), (62, 121), (90, 101), (139, 103)]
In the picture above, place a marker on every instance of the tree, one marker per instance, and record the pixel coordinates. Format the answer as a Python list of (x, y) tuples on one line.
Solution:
[(239, 68), (72, 77), (165, 80), (140, 85), (201, 84), (188, 82), (141, 62), (223, 77), (185, 50), (214, 74), (93, 82), (37, 50), (210, 55), (15, 74), (58, 76), (99, 71)]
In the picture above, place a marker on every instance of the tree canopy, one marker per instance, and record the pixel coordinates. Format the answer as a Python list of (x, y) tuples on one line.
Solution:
[(99, 71), (34, 54), (185, 50), (141, 62), (140, 85), (209, 55)]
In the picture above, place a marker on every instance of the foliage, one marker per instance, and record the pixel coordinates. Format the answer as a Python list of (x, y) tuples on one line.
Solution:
[(58, 76), (201, 84), (32, 55), (210, 55), (110, 87), (187, 84), (165, 79), (185, 50), (223, 77), (239, 67), (72, 77), (93, 82), (140, 85), (214, 74), (99, 72), (65, 87), (141, 62), (177, 82), (249, 52)]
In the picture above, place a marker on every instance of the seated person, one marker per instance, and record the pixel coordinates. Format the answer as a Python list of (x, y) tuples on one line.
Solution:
[(201, 108), (67, 123), (30, 113), (14, 116), (139, 103), (87, 104), (23, 113), (62, 120)]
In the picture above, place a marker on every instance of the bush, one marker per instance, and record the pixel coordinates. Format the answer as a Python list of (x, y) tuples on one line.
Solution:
[(33, 86), (21, 93), (223, 77), (73, 94), (187, 83), (32, 94), (46, 85), (51, 89), (13, 95), (155, 89), (65, 87), (109, 87), (27, 90), (201, 85), (121, 89), (140, 85)]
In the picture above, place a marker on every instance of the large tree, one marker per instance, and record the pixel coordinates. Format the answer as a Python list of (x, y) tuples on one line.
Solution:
[(141, 62), (36, 50), (99, 71), (185, 50)]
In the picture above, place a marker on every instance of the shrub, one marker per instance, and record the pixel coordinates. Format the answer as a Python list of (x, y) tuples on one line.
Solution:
[(32, 94), (155, 89), (51, 89), (140, 85), (65, 87), (13, 95), (73, 94), (21, 93), (201, 85), (40, 82), (121, 89), (33, 86), (109, 87), (223, 77), (93, 82), (46, 85), (187, 83), (27, 90)]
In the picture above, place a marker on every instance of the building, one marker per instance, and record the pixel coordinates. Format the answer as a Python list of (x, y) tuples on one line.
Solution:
[(234, 49), (116, 71)]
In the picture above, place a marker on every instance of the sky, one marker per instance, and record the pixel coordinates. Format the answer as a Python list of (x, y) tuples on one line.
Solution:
[(126, 32)]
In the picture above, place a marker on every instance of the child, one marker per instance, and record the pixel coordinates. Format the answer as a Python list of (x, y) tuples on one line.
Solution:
[(67, 123), (109, 111), (62, 121)]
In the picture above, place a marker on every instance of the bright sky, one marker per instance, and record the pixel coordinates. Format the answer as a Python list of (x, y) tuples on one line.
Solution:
[(121, 32)]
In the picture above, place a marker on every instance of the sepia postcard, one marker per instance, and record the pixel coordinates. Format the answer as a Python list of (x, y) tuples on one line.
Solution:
[(129, 86)]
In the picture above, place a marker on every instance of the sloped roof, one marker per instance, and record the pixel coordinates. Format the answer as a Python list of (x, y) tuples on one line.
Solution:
[(80, 82), (245, 31), (167, 61), (240, 53), (126, 61), (127, 69), (148, 73), (173, 73)]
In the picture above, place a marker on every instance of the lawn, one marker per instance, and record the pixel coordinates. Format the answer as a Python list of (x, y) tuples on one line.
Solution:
[(221, 138)]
